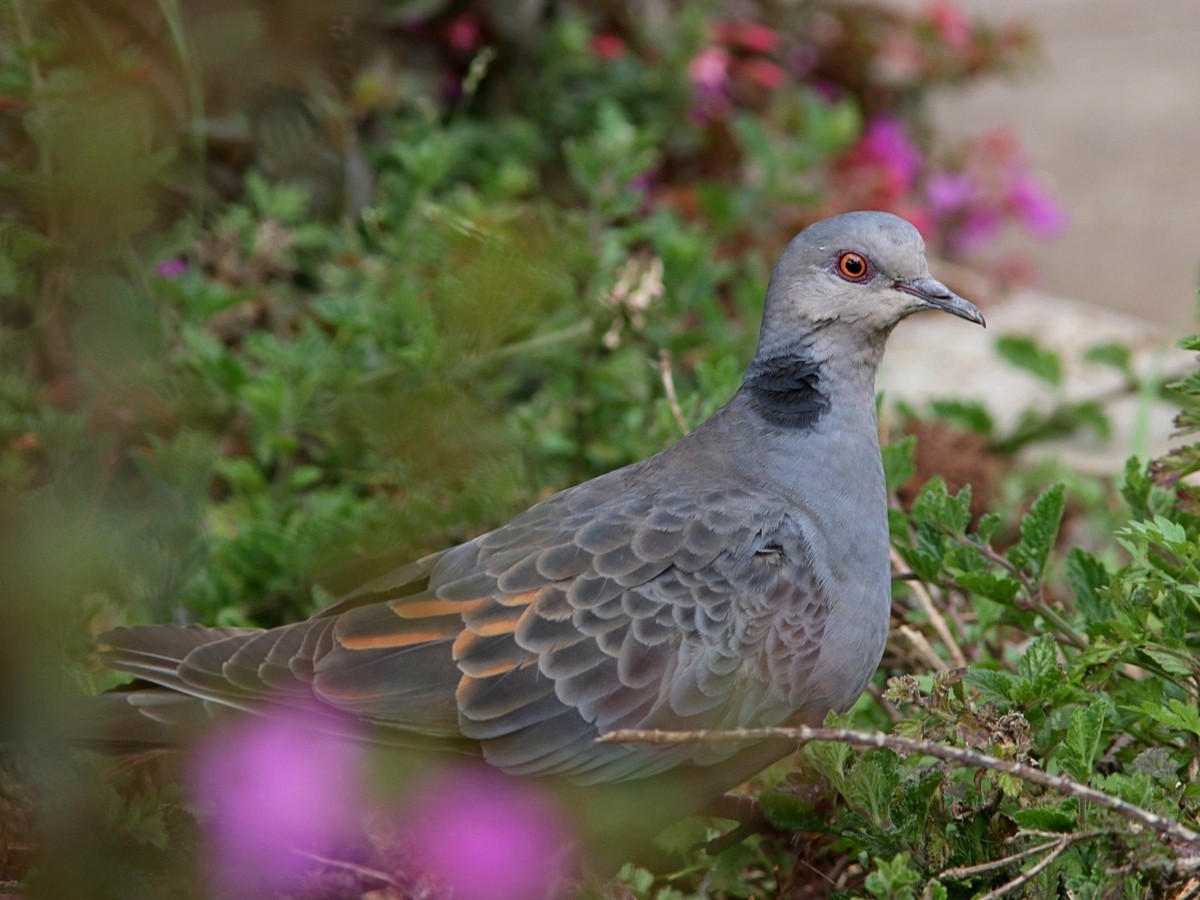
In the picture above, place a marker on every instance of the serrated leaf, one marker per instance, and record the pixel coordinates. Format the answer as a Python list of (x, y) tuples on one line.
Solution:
[(1038, 672), (1173, 714), (935, 505), (1088, 579), (1027, 354), (998, 588), (1082, 746), (1171, 662), (829, 759), (871, 785), (989, 523), (1060, 818), (993, 684), (1039, 529)]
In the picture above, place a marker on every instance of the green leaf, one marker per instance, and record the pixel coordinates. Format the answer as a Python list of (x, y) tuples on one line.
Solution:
[(893, 879), (1089, 579), (1061, 818), (1079, 752), (1025, 353), (871, 785), (1171, 662), (898, 465), (993, 683), (936, 506), (998, 588), (968, 414), (791, 812), (1038, 672), (1136, 487), (1173, 714), (1114, 355), (1039, 528)]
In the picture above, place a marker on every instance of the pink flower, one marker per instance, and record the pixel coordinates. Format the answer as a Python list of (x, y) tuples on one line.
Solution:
[(608, 46), (951, 24), (979, 227), (764, 73), (885, 143), (1041, 213), (171, 268), (948, 192), (709, 70), (489, 837), (274, 785), (748, 35)]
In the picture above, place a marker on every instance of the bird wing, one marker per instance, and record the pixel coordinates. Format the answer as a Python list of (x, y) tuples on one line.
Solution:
[(598, 609)]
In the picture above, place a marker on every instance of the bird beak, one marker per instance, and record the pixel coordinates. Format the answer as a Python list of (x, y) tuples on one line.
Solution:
[(936, 295)]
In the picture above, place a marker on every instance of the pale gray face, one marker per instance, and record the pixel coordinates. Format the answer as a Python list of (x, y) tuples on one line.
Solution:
[(866, 270)]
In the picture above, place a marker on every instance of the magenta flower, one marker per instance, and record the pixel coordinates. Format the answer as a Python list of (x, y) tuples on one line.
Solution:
[(1040, 212), (171, 268), (487, 836), (886, 143), (949, 192), (275, 787), (979, 227)]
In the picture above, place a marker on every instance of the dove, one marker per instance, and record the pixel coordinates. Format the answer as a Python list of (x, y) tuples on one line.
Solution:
[(738, 578)]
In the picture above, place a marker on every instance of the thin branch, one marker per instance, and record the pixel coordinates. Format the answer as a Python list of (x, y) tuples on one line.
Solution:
[(936, 619), (1040, 606), (960, 873), (1161, 825), (1029, 874), (364, 871), (924, 649), (668, 381)]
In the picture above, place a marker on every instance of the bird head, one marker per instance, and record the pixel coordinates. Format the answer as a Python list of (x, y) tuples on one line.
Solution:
[(859, 272)]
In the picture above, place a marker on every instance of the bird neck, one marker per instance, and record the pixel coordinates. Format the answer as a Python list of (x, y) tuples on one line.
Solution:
[(794, 387)]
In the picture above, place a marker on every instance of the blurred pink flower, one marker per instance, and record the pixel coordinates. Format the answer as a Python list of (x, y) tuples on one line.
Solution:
[(748, 35), (764, 73), (951, 24), (979, 227), (171, 268), (273, 785), (487, 836), (1041, 213), (885, 144), (709, 70), (948, 192)]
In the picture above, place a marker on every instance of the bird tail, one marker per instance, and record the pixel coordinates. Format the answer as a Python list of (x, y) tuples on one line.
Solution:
[(155, 711)]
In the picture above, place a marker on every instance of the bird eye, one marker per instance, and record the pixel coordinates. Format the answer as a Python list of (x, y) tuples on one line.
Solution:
[(853, 266)]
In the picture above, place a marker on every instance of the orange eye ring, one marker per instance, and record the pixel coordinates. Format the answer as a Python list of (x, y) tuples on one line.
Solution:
[(853, 266)]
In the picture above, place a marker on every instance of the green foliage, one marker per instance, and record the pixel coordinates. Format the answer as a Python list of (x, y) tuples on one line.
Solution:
[(391, 318)]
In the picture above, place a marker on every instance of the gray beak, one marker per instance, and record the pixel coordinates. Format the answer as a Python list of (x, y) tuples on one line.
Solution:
[(936, 295)]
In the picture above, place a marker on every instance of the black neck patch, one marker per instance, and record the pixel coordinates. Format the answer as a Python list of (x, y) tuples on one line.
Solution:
[(785, 390)]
